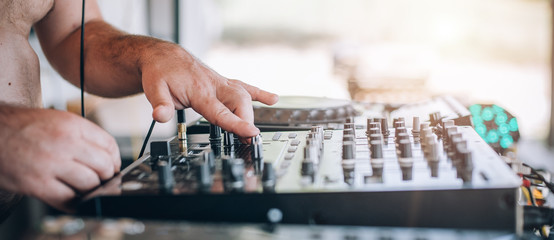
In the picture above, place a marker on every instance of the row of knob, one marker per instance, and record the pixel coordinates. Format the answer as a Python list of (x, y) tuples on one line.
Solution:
[(313, 153), (377, 135), (204, 165)]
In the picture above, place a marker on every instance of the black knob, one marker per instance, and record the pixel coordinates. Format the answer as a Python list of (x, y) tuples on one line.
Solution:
[(402, 136), (399, 124), (228, 139), (348, 150), (268, 178), (215, 132), (374, 130), (257, 150), (400, 130), (235, 175), (204, 177), (208, 158), (160, 148), (348, 137), (308, 169), (165, 177), (435, 118), (374, 137), (405, 148), (384, 126), (376, 148), (348, 131)]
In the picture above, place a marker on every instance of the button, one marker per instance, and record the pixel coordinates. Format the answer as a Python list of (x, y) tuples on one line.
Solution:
[(328, 135), (276, 136), (295, 142), (289, 156), (292, 149), (292, 135)]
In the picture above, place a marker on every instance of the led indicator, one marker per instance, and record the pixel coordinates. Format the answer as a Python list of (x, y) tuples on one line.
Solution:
[(513, 125), (481, 129), (497, 109), (506, 141), (477, 120), (492, 136), (504, 128), (487, 114), (501, 118), (475, 109)]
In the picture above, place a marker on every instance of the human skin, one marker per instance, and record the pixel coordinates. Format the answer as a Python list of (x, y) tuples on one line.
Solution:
[(54, 155)]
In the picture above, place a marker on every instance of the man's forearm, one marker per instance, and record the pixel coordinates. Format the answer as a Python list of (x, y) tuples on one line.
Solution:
[(113, 59)]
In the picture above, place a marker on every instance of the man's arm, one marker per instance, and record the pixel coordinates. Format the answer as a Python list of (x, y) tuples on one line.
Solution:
[(119, 64)]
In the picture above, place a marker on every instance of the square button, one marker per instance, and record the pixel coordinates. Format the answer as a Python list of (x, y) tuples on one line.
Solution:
[(295, 142)]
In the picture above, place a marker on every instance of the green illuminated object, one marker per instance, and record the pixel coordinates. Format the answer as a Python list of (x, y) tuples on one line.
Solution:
[(495, 125)]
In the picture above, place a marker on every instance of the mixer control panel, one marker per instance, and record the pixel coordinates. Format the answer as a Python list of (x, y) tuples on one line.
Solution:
[(321, 176)]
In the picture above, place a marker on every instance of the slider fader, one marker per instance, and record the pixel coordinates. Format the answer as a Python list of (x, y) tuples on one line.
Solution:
[(367, 173)]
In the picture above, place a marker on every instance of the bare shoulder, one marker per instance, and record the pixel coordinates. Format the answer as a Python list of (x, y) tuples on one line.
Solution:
[(24, 13)]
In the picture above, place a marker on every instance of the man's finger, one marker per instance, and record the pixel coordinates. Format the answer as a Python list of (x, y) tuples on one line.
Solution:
[(162, 103), (97, 159), (56, 194), (217, 113), (258, 94), (98, 137), (78, 177)]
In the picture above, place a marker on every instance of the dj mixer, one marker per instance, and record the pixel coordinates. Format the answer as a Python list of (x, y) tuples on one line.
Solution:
[(378, 172)]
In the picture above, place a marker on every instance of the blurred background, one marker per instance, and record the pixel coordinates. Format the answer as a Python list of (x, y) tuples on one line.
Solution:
[(390, 51), (492, 51)]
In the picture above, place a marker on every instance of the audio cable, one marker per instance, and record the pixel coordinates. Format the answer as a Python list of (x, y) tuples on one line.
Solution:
[(82, 61)]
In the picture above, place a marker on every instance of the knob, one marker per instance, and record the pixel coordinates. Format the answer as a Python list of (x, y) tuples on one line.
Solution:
[(208, 159), (376, 149), (435, 118), (160, 148), (349, 171), (228, 139), (400, 130), (405, 148), (268, 178), (416, 129), (433, 157), (348, 137), (204, 177), (384, 126), (349, 126), (348, 131), (467, 166), (402, 136), (349, 150), (399, 124), (405, 160), (257, 149), (165, 177), (228, 146), (376, 137), (215, 133), (375, 130), (377, 160), (308, 170), (236, 175)]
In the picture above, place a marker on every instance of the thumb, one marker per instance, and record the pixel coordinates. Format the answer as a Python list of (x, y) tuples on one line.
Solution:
[(161, 101)]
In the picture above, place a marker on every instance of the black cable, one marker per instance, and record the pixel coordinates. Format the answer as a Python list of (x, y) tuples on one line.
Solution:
[(146, 138), (82, 61)]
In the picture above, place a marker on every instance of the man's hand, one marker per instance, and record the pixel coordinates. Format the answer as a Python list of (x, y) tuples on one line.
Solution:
[(173, 79), (53, 155), (119, 64)]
